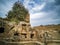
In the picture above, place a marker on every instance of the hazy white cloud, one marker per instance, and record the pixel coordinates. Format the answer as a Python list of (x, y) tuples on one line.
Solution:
[(37, 15), (44, 22), (38, 7), (44, 18)]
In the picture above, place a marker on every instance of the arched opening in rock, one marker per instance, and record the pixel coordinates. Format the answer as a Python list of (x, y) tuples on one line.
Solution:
[(1, 29), (23, 24), (32, 35), (16, 34)]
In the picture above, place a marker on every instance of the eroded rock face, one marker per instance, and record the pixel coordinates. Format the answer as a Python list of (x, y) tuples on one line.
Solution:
[(4, 29), (17, 32), (22, 31)]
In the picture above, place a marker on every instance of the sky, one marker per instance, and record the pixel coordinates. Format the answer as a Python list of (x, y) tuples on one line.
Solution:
[(42, 12)]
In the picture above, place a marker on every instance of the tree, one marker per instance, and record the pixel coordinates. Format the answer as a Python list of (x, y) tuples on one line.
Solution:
[(18, 12)]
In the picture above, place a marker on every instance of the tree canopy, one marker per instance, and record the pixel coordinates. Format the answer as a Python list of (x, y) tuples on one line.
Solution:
[(18, 12)]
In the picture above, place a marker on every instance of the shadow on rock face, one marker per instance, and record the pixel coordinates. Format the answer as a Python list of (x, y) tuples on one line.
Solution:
[(1, 29)]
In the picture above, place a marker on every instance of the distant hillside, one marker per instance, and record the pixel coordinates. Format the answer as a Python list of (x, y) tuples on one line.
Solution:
[(48, 27)]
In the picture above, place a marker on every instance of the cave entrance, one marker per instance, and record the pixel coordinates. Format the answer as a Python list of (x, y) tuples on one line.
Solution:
[(1, 29), (16, 34), (32, 35)]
